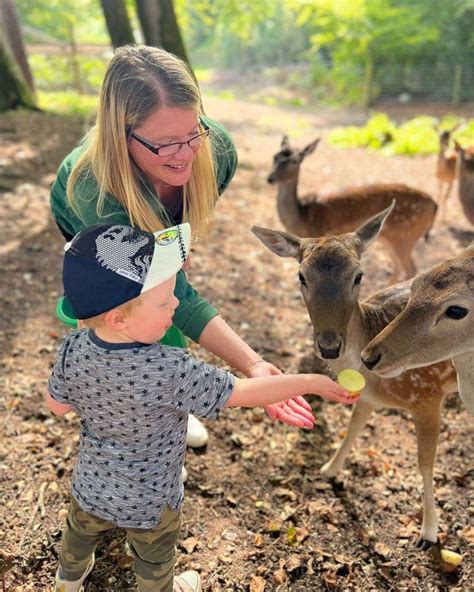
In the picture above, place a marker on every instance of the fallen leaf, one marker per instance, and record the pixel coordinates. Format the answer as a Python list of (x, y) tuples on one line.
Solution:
[(280, 577), (189, 544), (382, 549), (257, 584)]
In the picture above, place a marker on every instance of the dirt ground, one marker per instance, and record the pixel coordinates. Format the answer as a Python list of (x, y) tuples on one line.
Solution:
[(258, 515)]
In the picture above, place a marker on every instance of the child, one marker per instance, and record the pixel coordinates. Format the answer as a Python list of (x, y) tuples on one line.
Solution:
[(133, 396)]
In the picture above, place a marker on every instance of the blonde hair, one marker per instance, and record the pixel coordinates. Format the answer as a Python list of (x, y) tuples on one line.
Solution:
[(139, 81)]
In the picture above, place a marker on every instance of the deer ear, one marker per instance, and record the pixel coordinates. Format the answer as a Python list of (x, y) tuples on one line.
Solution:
[(285, 143), (368, 232), (309, 149), (281, 243), (458, 147)]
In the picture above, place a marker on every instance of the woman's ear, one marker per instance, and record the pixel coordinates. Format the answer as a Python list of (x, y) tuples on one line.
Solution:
[(115, 319)]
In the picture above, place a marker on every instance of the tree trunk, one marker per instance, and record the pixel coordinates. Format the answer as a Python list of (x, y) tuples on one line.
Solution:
[(74, 58), (170, 33), (117, 21), (149, 15), (13, 35), (14, 91), (160, 27)]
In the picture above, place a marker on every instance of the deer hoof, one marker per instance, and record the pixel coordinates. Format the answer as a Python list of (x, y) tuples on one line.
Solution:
[(424, 544), (329, 471)]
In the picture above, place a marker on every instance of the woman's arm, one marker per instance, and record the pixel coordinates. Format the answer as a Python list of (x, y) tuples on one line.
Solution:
[(221, 340)]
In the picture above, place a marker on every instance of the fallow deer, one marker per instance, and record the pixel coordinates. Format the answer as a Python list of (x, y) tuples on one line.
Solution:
[(330, 276), (344, 210), (437, 324), (466, 180), (445, 169)]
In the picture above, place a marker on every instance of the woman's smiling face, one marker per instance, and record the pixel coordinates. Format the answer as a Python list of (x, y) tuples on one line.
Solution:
[(165, 126)]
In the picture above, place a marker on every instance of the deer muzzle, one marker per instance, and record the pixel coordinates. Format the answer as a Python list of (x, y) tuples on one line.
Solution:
[(328, 345)]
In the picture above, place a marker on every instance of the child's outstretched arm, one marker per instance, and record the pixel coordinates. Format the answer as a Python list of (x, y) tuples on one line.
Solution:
[(258, 392)]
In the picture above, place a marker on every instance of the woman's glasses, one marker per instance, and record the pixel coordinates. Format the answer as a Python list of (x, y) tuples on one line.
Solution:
[(170, 149)]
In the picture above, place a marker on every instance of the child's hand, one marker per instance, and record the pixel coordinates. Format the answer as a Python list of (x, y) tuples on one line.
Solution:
[(326, 388)]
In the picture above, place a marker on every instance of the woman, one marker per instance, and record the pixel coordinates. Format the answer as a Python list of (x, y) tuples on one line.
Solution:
[(154, 160)]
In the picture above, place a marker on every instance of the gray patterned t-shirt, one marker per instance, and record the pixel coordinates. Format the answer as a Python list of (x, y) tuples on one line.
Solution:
[(133, 400)]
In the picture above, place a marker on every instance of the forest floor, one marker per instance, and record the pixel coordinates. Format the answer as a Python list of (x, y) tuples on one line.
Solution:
[(258, 515)]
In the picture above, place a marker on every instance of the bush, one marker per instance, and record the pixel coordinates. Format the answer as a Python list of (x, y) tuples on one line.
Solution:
[(415, 136)]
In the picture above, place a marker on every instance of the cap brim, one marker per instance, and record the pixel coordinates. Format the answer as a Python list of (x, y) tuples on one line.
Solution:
[(170, 252)]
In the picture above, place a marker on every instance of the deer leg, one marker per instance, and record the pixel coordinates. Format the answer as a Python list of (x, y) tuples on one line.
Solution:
[(427, 431), (401, 256), (359, 417)]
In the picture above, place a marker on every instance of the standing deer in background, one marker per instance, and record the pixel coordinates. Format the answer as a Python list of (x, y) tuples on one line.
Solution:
[(437, 324), (330, 276), (466, 180), (445, 169), (344, 210)]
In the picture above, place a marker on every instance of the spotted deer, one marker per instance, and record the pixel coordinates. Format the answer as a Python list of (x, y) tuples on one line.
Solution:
[(445, 169), (330, 276), (344, 210), (437, 324), (466, 180)]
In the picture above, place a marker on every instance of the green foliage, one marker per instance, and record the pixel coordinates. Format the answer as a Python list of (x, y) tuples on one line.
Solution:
[(415, 136), (67, 103), (53, 73), (62, 19)]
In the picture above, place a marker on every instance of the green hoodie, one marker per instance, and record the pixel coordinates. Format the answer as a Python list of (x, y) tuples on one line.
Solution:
[(193, 312)]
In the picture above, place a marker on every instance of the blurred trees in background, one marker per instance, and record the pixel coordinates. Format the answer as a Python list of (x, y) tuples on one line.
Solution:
[(357, 49), (351, 51)]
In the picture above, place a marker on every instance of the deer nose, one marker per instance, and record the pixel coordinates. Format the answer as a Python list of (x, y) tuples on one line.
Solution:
[(372, 359), (271, 178), (329, 345)]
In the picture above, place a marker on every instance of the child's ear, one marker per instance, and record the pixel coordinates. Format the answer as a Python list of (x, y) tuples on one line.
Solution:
[(115, 319)]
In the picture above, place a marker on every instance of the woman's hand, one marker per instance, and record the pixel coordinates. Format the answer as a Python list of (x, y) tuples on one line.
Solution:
[(295, 412)]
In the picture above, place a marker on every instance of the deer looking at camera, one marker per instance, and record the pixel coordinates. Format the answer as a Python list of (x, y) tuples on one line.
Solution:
[(445, 168), (466, 180), (437, 324), (344, 210), (330, 276)]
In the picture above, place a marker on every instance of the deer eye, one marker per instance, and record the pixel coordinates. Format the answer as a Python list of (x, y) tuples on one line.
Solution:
[(456, 312), (301, 278), (358, 279)]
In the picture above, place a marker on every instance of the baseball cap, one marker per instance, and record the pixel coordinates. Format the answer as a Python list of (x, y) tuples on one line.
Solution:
[(109, 264)]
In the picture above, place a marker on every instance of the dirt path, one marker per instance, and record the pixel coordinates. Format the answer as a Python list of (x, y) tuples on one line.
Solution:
[(258, 515)]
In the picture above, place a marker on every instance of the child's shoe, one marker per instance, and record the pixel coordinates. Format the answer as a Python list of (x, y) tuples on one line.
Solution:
[(73, 586), (188, 581), (197, 435)]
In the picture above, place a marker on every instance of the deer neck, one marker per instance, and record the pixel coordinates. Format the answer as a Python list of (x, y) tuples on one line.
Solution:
[(290, 211), (464, 364)]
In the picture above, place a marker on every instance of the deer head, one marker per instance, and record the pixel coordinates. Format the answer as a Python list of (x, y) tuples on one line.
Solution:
[(445, 135), (466, 156), (286, 162), (437, 324), (330, 276)]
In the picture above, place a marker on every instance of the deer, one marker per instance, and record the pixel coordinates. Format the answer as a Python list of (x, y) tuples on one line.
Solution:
[(445, 168), (344, 210), (466, 179), (436, 324), (330, 278)]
